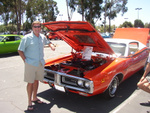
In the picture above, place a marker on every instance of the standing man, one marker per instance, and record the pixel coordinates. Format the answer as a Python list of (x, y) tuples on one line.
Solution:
[(31, 51), (144, 82)]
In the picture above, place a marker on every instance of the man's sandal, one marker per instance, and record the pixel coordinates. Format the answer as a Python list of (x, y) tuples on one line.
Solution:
[(38, 101), (30, 108), (145, 103)]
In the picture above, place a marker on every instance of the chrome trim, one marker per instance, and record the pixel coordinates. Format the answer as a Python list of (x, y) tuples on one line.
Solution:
[(57, 80)]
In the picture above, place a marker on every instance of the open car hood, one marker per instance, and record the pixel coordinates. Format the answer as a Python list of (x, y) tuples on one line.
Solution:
[(79, 34)]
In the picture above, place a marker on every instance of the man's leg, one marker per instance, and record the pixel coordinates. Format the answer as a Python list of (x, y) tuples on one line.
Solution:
[(29, 92), (35, 89), (144, 85), (38, 77)]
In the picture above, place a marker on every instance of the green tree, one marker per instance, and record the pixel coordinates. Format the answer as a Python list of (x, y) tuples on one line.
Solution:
[(17, 5), (50, 10), (27, 26), (126, 24), (46, 10), (31, 11), (89, 9), (138, 23), (147, 25), (93, 11), (12, 11), (100, 28), (112, 8), (73, 4), (3, 28), (6, 7)]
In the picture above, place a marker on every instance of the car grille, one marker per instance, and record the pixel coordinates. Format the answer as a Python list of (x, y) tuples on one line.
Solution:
[(67, 81), (50, 76)]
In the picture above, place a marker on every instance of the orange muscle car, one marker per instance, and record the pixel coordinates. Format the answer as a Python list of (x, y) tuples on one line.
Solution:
[(95, 65)]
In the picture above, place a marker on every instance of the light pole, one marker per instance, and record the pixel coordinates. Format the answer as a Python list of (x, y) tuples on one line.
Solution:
[(61, 16), (125, 19), (138, 11)]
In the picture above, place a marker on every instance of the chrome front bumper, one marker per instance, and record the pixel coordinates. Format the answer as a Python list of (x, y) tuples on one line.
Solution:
[(68, 81)]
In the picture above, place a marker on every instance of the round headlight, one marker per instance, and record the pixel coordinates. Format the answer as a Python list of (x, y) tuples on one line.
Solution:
[(87, 84), (80, 83)]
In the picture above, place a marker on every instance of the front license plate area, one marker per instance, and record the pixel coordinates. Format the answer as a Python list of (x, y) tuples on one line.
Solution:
[(60, 88)]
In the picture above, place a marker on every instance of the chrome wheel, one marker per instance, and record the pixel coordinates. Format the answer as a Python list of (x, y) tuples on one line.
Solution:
[(111, 91), (113, 87)]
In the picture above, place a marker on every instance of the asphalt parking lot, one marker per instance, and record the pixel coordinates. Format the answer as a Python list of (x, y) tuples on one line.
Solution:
[(13, 96)]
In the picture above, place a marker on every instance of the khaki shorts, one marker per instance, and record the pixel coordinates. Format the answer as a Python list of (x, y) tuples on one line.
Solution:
[(33, 73)]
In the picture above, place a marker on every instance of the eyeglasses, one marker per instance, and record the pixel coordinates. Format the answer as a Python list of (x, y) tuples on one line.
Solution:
[(37, 26)]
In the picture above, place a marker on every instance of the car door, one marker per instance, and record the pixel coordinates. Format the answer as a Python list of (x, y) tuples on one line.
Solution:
[(137, 58), (1, 44), (16, 43), (10, 44)]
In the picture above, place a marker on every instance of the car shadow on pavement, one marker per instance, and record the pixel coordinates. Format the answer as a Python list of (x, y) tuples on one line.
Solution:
[(75, 103), (9, 55)]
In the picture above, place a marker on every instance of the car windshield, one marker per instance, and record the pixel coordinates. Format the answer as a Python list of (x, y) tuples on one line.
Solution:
[(118, 48), (1, 37)]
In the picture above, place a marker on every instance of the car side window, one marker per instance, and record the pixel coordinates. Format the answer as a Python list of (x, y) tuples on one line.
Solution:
[(133, 47), (10, 38), (17, 38)]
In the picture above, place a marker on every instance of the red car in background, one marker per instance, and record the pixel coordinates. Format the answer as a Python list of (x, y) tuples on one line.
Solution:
[(52, 35), (94, 65)]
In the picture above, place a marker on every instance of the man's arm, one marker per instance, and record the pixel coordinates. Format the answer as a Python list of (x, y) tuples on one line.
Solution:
[(21, 53), (52, 46)]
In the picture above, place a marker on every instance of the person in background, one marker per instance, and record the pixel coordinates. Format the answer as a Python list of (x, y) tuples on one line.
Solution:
[(31, 50), (144, 82)]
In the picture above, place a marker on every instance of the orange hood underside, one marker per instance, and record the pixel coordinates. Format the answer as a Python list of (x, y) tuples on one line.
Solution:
[(79, 34)]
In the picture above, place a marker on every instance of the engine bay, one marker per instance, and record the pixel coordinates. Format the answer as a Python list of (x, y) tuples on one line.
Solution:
[(77, 66)]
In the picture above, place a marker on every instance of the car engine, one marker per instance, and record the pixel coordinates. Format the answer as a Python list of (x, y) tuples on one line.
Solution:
[(77, 66)]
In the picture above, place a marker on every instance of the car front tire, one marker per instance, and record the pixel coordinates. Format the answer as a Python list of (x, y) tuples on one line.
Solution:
[(111, 90)]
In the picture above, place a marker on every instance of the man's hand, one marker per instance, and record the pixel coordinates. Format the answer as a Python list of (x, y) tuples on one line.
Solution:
[(52, 46), (21, 53), (142, 79)]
